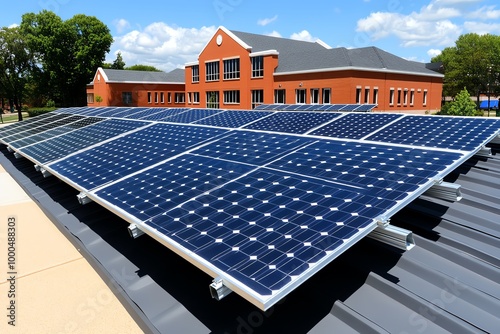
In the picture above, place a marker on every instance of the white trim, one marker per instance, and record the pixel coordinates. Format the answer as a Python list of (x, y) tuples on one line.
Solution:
[(229, 58), (230, 35), (323, 44), (193, 63), (363, 69), (265, 53), (103, 74), (149, 82)]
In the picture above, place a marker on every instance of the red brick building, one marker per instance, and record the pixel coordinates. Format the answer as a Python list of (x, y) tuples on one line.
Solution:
[(124, 88), (238, 70)]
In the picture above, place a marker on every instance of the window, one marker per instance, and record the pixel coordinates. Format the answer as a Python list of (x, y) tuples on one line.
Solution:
[(358, 95), (212, 71), (375, 96), (149, 97), (391, 96), (367, 95), (162, 97), (314, 96), (195, 73), (231, 69), (412, 97), (169, 97), (196, 97), (399, 96), (90, 98), (257, 98), (213, 100), (424, 100), (257, 67), (189, 97), (327, 95), (156, 97), (231, 97), (405, 97), (179, 98), (279, 96), (300, 96)]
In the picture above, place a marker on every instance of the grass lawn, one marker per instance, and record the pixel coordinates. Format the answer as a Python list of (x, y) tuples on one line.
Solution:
[(8, 118)]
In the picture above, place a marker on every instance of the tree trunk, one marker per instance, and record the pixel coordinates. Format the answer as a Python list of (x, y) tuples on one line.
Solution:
[(19, 109)]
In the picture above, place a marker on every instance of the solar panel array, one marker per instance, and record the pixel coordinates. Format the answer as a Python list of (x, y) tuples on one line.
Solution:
[(261, 198)]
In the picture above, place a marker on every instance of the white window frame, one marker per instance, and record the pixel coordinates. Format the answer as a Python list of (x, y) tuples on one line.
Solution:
[(257, 66), (212, 71), (301, 96), (324, 94), (231, 97), (231, 68)]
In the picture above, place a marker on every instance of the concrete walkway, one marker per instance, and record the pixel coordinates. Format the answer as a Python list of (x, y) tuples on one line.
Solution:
[(56, 290)]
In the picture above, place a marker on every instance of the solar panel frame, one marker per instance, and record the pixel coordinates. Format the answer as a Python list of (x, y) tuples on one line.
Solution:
[(297, 122)]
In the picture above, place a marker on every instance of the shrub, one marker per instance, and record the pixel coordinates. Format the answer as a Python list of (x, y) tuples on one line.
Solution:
[(38, 111)]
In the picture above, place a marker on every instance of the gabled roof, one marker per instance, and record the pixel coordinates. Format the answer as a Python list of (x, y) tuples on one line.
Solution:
[(301, 56), (175, 77)]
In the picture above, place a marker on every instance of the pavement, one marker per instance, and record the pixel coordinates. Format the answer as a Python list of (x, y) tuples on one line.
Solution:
[(46, 285)]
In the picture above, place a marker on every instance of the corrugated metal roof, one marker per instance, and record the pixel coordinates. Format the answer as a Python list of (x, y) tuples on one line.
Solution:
[(447, 283)]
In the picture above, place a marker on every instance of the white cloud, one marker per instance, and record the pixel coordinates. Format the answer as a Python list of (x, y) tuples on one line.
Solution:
[(482, 28), (121, 25), (265, 22), (304, 35), (14, 25), (162, 46), (274, 33), (433, 52), (485, 13), (440, 22)]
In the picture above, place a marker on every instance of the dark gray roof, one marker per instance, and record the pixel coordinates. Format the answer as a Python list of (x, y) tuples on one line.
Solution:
[(447, 283), (175, 76), (300, 56)]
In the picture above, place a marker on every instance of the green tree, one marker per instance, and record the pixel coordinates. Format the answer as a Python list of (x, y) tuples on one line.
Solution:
[(474, 63), (69, 52), (462, 105), (143, 68), (16, 66), (118, 64)]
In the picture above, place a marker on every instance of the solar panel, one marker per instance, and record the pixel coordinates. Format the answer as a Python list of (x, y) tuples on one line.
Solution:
[(129, 153), (458, 133), (366, 107), (164, 114), (36, 138), (232, 118), (262, 210), (192, 116), (30, 123), (355, 126), (349, 107), (165, 186), (55, 121), (292, 122), (61, 146), (255, 148)]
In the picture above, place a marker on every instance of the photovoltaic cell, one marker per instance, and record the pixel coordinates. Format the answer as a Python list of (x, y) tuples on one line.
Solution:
[(292, 122), (355, 126), (50, 123), (192, 116), (30, 123), (164, 114), (130, 153), (458, 133), (59, 147), (233, 118), (161, 188), (381, 171), (262, 229), (251, 147), (36, 138)]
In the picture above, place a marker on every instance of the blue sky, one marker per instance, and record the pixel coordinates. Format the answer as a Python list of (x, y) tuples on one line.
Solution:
[(167, 34)]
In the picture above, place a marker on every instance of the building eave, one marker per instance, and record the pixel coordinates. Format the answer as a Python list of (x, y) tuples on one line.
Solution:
[(363, 69)]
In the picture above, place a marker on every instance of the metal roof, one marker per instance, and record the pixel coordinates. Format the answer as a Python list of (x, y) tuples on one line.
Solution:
[(447, 283)]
